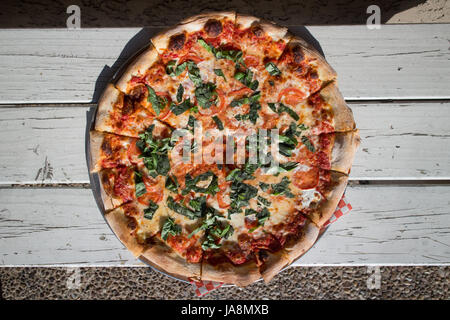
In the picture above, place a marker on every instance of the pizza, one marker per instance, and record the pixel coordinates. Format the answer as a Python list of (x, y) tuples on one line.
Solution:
[(222, 149)]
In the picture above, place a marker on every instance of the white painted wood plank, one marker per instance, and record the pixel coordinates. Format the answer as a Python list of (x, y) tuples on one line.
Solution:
[(399, 141), (388, 225), (403, 141), (59, 65), (43, 144)]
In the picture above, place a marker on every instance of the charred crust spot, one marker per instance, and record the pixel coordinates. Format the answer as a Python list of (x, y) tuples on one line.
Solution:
[(314, 75), (257, 31), (300, 70), (132, 224), (213, 28), (298, 54), (263, 255), (137, 92), (128, 106), (176, 42), (106, 147)]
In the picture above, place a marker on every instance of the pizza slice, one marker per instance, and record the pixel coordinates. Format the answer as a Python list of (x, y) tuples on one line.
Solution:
[(298, 73), (312, 191), (187, 52), (262, 43), (110, 150), (263, 223), (124, 184), (177, 247), (323, 112), (130, 114), (136, 224), (331, 151)]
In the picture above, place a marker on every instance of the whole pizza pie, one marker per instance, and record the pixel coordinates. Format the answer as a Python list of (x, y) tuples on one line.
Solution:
[(222, 149)]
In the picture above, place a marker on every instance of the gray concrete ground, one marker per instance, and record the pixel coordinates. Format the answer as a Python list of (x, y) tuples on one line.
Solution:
[(294, 283), (128, 13)]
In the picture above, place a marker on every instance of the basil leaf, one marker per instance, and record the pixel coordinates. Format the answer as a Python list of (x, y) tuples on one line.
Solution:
[(308, 143), (245, 173), (206, 95), (170, 228), (158, 103), (180, 69), (218, 122), (191, 184), (262, 216), (180, 93), (194, 73), (178, 109), (253, 99), (219, 72), (214, 231), (170, 67), (272, 107), (264, 186), (180, 209), (283, 108), (272, 69), (227, 232), (264, 201), (172, 184), (254, 85), (288, 166), (246, 79), (252, 115), (150, 211), (210, 243), (154, 152), (233, 55), (206, 46), (139, 185), (250, 212), (282, 188), (240, 194)]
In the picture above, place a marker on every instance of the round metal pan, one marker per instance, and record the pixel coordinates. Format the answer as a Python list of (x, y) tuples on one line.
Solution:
[(94, 177)]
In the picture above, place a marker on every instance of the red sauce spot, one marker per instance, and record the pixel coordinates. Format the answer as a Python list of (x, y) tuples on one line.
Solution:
[(306, 179)]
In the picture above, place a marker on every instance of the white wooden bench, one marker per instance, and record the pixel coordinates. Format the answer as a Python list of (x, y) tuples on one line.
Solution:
[(396, 80)]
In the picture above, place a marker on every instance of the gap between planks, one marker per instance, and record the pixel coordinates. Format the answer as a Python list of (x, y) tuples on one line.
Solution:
[(352, 182), (93, 104)]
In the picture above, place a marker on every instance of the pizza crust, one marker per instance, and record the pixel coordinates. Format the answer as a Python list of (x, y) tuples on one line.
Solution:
[(109, 98), (190, 25), (325, 72), (274, 263), (295, 248), (162, 257), (334, 194), (344, 149), (240, 275), (245, 21), (95, 144), (138, 68), (342, 114), (273, 30), (120, 225), (109, 202), (202, 18)]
